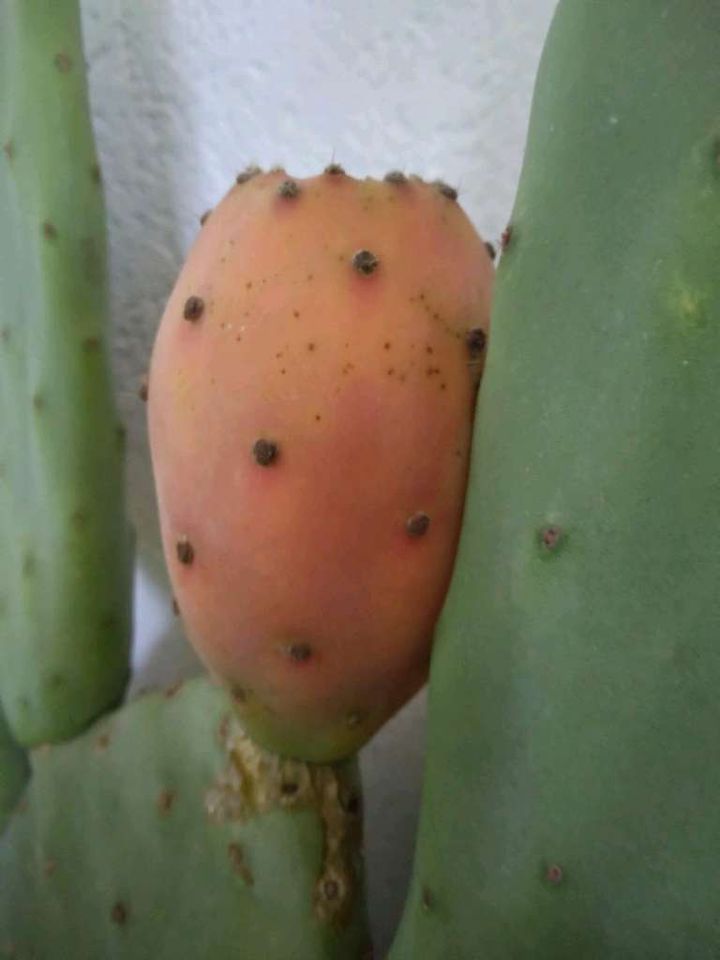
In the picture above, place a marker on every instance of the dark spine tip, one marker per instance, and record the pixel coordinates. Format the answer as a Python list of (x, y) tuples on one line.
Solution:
[(288, 189), (550, 537), (185, 551), (63, 62), (193, 309), (395, 176), (476, 340), (119, 913), (248, 173), (506, 237), (417, 525), (96, 173), (490, 247), (265, 452), (144, 389), (445, 189), (299, 652), (165, 801), (334, 170), (175, 607), (204, 217), (365, 262)]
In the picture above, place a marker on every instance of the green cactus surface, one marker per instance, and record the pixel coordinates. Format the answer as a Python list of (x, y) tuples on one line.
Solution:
[(163, 832), (65, 567), (14, 771), (571, 801)]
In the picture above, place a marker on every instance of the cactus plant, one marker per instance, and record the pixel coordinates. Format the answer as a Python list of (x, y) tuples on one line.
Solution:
[(164, 832), (570, 802), (65, 569), (14, 771), (310, 406)]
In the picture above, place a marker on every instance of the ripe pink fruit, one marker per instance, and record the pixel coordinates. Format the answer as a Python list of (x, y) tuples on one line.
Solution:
[(311, 396)]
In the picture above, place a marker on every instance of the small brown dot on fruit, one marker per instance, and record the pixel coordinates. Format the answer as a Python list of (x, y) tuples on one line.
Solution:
[(265, 451), (299, 652), (445, 189), (476, 340), (417, 525), (204, 217), (185, 551), (288, 189), (365, 262), (193, 308), (247, 174), (490, 247)]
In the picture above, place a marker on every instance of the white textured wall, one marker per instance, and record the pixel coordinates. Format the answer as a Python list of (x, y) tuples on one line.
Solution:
[(187, 92)]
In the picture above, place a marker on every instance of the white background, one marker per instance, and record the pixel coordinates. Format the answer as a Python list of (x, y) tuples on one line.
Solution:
[(187, 92)]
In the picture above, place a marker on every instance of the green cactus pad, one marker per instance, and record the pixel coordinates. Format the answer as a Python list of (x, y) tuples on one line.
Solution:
[(164, 832), (571, 801), (66, 562), (14, 771)]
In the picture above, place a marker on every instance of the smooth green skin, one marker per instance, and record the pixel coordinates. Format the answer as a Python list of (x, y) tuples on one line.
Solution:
[(14, 772), (66, 562), (92, 835), (574, 708)]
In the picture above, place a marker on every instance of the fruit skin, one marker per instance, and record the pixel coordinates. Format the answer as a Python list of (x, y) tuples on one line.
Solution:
[(311, 395), (143, 838), (570, 804), (66, 562)]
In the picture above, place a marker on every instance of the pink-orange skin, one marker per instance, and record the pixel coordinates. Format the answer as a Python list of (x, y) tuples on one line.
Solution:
[(367, 386)]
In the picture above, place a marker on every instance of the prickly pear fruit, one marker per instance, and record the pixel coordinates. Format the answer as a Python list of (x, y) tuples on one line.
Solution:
[(311, 395)]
